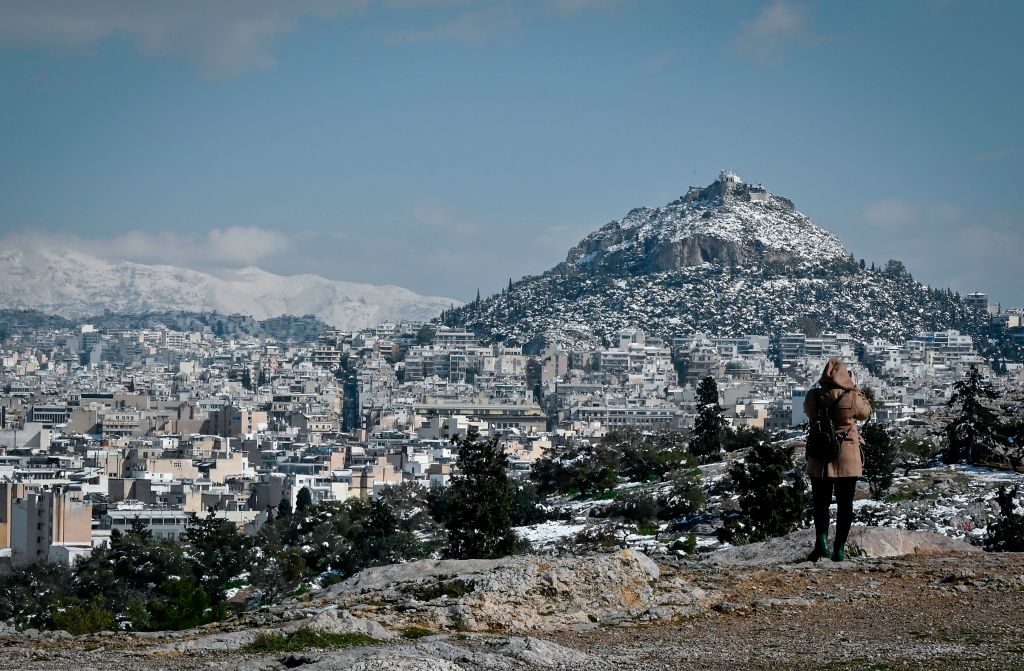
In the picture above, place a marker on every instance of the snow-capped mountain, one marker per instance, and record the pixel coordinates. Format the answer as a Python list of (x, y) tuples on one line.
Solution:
[(72, 284), (727, 259)]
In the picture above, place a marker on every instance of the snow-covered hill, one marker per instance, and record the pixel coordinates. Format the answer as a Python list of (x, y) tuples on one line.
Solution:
[(72, 284), (727, 259), (727, 222)]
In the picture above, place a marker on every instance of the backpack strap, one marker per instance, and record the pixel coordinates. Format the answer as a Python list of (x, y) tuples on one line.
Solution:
[(838, 398)]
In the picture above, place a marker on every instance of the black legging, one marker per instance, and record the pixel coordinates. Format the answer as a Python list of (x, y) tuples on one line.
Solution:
[(821, 492)]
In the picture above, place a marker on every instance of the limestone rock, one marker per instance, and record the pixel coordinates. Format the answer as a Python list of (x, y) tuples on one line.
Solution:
[(337, 621), (513, 594), (874, 542)]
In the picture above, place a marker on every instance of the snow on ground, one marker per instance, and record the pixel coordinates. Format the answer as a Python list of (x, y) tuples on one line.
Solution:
[(548, 534)]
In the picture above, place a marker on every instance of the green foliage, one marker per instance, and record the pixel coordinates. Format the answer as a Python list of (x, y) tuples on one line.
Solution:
[(77, 617), (744, 438), (636, 506), (476, 508), (414, 633), (879, 458), (710, 428), (916, 452), (425, 335), (218, 551), (646, 457), (685, 544), (304, 639), (136, 579), (869, 395), (588, 469), (30, 594), (685, 496), (526, 505), (973, 433), (337, 539), (1006, 534), (772, 493)]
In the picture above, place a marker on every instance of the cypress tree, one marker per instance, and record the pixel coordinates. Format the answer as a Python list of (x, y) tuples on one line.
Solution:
[(710, 428), (303, 500)]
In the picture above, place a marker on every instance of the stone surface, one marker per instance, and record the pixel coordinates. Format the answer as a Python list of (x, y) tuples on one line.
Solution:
[(874, 542), (514, 594), (338, 621)]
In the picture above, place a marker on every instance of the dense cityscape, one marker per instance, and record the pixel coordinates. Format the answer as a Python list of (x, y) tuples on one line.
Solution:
[(105, 428)]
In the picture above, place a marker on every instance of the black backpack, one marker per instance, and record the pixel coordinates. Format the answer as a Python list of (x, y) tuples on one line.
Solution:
[(823, 442)]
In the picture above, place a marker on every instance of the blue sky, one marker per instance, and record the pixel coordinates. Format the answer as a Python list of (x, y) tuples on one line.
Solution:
[(448, 145)]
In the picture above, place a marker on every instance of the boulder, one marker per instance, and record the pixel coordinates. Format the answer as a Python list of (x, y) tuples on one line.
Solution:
[(513, 594), (874, 542)]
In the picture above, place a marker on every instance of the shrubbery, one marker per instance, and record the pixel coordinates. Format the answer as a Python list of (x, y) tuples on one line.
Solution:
[(591, 469)]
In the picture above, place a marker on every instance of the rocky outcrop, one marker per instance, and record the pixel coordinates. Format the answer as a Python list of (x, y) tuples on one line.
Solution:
[(871, 542), (515, 594)]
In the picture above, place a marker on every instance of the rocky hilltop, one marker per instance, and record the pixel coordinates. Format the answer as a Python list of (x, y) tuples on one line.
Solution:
[(728, 259), (727, 222)]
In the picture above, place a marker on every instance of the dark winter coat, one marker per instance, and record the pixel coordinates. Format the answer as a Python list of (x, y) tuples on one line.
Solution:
[(854, 406)]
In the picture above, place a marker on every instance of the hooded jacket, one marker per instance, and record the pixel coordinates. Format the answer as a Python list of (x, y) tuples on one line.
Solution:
[(853, 406)]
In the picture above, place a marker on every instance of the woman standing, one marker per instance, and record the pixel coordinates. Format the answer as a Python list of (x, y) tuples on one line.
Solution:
[(838, 391)]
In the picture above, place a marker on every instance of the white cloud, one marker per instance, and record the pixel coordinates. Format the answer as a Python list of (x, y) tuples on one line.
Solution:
[(778, 26), (217, 248), (890, 213), (223, 37), (230, 37), (996, 154), (473, 27), (435, 216)]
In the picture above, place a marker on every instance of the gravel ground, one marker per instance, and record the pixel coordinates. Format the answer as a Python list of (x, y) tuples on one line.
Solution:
[(928, 612), (923, 612)]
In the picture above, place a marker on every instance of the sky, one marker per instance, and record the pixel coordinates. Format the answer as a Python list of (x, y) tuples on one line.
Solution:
[(448, 146)]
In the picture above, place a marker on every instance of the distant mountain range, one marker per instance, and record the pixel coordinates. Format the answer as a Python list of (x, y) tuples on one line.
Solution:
[(727, 259), (72, 284)]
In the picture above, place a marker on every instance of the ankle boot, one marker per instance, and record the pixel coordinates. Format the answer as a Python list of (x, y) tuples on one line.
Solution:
[(821, 548), (839, 552)]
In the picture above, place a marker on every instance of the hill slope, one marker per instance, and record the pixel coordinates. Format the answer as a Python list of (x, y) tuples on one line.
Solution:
[(727, 259)]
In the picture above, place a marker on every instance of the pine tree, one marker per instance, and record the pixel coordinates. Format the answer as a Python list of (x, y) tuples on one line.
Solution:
[(973, 434), (710, 428), (247, 379), (476, 508), (772, 496), (220, 553)]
